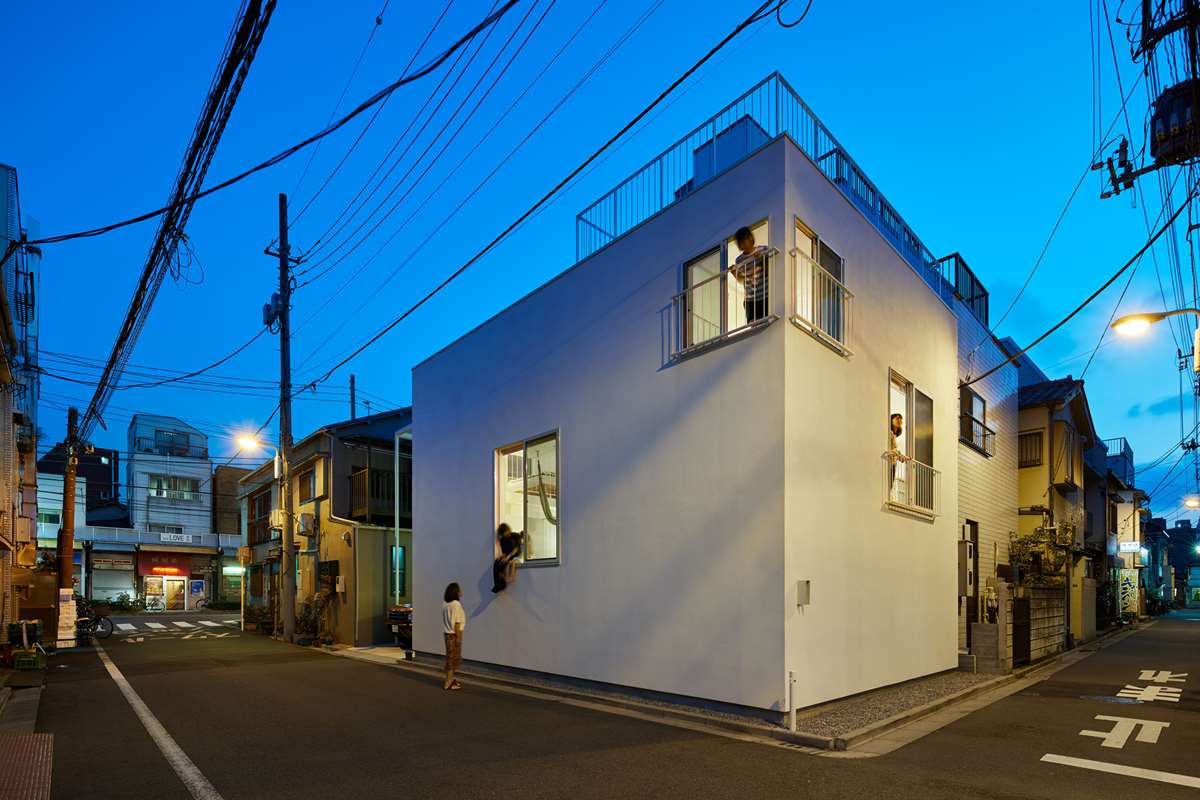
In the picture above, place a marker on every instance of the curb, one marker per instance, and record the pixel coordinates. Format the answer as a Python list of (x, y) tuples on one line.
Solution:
[(552, 693), (870, 731)]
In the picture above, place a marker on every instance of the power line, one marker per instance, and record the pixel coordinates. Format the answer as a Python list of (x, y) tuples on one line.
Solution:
[(1089, 299), (284, 154), (540, 202)]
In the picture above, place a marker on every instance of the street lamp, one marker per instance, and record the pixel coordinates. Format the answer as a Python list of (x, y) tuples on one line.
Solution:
[(1137, 324), (1192, 502)]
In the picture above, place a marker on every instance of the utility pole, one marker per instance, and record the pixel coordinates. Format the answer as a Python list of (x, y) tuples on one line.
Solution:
[(66, 533), (282, 312), (353, 405)]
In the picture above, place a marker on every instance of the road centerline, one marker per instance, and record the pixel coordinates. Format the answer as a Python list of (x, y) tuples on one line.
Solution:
[(193, 779)]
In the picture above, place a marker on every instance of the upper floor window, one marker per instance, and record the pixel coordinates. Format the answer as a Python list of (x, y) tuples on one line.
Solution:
[(158, 527), (306, 483), (973, 429), (174, 487), (528, 500), (258, 523), (49, 518), (821, 301), (911, 481), (1029, 449), (727, 290)]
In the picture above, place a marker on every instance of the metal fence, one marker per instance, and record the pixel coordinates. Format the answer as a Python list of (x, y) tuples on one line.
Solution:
[(912, 485), (770, 109), (821, 304), (722, 305), (103, 535)]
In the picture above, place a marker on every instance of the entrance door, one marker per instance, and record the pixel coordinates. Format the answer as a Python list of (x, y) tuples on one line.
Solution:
[(174, 589), (1022, 631)]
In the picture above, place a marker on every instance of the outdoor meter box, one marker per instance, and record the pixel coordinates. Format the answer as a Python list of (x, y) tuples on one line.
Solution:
[(966, 568)]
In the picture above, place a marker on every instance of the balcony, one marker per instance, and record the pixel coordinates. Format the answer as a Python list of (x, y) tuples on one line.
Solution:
[(372, 495), (977, 435), (149, 445), (768, 110), (98, 536), (726, 304), (821, 304), (1120, 459), (911, 487)]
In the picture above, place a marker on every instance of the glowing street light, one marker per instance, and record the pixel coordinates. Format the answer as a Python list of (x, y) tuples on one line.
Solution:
[(1137, 324), (1192, 502), (248, 443)]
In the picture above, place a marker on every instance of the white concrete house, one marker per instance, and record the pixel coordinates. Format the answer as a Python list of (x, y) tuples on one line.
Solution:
[(697, 447), (167, 478)]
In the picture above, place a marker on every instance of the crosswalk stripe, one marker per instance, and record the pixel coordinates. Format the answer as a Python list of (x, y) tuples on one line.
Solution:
[(210, 623), (184, 625), (156, 625), (231, 621), (125, 626)]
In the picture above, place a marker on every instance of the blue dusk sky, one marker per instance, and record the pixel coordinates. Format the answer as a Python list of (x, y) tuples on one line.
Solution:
[(975, 121)]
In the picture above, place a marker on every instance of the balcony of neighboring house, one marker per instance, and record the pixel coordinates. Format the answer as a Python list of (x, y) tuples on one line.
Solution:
[(166, 535), (373, 495), (1120, 459), (973, 428), (174, 446)]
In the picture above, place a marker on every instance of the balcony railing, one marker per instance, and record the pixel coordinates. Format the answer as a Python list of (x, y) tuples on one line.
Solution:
[(821, 303), (911, 485), (1120, 459), (372, 492), (724, 305), (770, 109), (102, 535), (974, 433), (149, 445)]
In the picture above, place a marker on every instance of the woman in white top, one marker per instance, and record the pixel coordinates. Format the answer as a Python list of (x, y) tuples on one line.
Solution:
[(454, 620)]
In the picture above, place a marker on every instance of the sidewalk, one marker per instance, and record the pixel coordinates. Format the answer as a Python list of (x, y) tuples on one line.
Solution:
[(846, 724), (25, 756)]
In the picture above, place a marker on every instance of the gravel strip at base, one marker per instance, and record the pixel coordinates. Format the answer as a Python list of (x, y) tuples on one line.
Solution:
[(850, 715)]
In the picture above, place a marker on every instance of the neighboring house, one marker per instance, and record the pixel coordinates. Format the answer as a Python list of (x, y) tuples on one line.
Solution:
[(1055, 430), (169, 492), (227, 521), (987, 478), (1131, 553), (1157, 578), (354, 551), (1102, 496), (19, 378), (697, 448), (1184, 553), (102, 469)]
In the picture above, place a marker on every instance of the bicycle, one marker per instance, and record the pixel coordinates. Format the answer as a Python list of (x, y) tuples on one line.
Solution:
[(90, 623)]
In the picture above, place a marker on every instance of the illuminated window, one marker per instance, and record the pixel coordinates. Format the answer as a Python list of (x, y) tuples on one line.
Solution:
[(527, 496)]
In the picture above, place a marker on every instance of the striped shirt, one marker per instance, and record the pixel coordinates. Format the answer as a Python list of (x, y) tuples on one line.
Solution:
[(752, 269)]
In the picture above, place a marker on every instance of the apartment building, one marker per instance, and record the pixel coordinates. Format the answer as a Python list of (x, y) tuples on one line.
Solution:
[(19, 377), (351, 485), (737, 470), (227, 521)]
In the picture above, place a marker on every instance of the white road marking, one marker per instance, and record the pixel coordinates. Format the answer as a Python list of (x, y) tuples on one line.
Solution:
[(231, 621), (1147, 731), (197, 785), (158, 626), (1148, 694), (1121, 769), (210, 623), (125, 626), (184, 625), (1162, 676)]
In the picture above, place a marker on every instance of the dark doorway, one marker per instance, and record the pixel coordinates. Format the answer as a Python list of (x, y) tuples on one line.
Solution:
[(1021, 631)]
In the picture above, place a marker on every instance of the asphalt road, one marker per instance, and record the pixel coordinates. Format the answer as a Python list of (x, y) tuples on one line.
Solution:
[(263, 720)]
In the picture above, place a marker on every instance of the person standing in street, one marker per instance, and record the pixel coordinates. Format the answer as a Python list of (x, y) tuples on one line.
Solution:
[(454, 620)]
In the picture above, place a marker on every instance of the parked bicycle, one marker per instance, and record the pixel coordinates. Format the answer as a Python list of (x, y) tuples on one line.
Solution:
[(91, 621)]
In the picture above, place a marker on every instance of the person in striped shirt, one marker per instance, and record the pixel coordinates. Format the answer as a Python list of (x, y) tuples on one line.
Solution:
[(750, 270)]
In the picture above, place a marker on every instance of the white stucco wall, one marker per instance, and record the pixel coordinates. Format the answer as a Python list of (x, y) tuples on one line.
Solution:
[(670, 479), (882, 582), (694, 494)]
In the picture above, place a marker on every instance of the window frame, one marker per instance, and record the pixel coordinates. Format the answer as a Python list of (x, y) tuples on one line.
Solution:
[(896, 378), (500, 457), (841, 346), (253, 521), (306, 479), (1040, 433), (170, 488), (963, 415)]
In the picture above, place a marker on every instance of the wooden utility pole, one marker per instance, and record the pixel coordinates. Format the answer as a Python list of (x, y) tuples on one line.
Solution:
[(287, 577), (66, 532)]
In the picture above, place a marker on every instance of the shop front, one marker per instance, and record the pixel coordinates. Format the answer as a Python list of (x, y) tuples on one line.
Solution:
[(173, 580), (112, 573)]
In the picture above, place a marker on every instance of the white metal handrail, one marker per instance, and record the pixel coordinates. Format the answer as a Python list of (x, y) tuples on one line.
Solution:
[(911, 485), (821, 304), (726, 304)]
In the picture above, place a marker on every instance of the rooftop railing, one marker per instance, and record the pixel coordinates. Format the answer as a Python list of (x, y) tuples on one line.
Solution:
[(768, 110), (101, 535), (1120, 459)]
